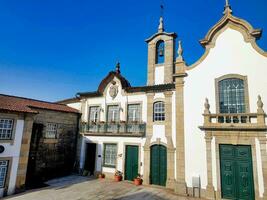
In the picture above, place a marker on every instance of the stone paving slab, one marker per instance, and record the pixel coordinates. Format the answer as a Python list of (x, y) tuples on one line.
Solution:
[(84, 188)]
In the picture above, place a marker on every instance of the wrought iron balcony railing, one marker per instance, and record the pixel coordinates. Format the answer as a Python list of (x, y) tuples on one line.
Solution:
[(118, 128)]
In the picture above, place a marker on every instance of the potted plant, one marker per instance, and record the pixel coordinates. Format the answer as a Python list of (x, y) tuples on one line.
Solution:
[(138, 180), (118, 176), (101, 175)]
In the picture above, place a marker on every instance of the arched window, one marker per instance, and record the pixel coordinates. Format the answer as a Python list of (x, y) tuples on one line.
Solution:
[(232, 95), (159, 111), (160, 52)]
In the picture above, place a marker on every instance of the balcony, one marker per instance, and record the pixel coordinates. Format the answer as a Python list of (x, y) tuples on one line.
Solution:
[(135, 129), (234, 121)]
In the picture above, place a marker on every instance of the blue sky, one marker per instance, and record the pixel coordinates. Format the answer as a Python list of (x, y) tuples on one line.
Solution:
[(52, 49)]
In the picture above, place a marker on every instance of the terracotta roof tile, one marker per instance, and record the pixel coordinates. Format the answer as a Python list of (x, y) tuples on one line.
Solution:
[(20, 104)]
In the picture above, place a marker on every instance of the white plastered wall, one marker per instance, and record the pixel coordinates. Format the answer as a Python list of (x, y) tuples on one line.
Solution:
[(231, 55), (76, 105), (121, 142), (159, 75), (122, 99), (13, 151)]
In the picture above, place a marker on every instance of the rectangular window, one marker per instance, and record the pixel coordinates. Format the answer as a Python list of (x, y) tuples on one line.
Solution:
[(159, 111), (6, 127), (113, 113), (232, 96), (51, 130), (134, 113), (94, 113), (110, 155), (3, 172)]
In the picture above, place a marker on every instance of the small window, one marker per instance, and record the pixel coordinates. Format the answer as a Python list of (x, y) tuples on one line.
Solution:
[(6, 127), (94, 113), (51, 130), (134, 113), (159, 111), (113, 113), (3, 172), (160, 51), (110, 155), (232, 96)]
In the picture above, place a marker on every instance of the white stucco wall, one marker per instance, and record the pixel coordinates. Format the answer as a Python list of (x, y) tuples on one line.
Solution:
[(121, 143), (231, 55), (76, 105), (13, 151), (122, 99), (159, 75)]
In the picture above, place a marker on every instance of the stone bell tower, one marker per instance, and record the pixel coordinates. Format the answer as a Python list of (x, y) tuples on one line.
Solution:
[(161, 47)]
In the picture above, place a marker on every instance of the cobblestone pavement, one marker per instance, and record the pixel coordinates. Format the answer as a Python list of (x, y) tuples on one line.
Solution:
[(83, 188)]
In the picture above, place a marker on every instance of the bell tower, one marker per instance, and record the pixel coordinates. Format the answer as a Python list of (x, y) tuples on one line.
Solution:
[(161, 47)]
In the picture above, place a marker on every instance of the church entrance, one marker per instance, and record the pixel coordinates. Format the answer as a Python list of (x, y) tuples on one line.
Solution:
[(236, 172), (158, 165)]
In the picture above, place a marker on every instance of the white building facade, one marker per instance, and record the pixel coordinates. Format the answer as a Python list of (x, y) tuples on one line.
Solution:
[(198, 126), (11, 134)]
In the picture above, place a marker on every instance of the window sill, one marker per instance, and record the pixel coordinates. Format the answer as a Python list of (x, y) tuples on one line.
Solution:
[(50, 140), (159, 122), (11, 141), (109, 166)]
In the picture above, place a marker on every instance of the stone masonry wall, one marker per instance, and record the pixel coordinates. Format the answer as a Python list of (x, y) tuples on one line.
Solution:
[(56, 157)]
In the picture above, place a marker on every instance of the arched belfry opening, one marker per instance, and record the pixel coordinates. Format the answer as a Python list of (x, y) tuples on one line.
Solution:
[(160, 52)]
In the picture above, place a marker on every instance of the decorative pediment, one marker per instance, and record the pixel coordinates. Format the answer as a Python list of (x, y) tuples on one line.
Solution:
[(109, 78), (229, 20)]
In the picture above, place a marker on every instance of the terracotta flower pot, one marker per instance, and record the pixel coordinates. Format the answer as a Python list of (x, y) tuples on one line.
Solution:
[(138, 181), (101, 176), (118, 178)]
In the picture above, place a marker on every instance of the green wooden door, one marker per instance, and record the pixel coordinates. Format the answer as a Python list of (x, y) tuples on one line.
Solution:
[(158, 165), (131, 162), (236, 172)]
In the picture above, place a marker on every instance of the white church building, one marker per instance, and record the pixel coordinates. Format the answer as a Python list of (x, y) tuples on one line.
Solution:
[(198, 126)]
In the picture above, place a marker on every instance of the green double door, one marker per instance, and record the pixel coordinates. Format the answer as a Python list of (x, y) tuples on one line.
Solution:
[(131, 162), (158, 165), (236, 172)]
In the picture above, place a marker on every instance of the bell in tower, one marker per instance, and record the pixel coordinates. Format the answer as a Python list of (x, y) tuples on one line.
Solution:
[(161, 47)]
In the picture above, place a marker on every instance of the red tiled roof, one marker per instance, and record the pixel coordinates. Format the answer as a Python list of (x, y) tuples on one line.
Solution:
[(20, 104)]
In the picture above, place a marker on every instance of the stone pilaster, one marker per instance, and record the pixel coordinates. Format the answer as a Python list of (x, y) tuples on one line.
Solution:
[(169, 56), (24, 152), (168, 134), (149, 133), (209, 188), (263, 142), (146, 177), (151, 63), (83, 109), (180, 184)]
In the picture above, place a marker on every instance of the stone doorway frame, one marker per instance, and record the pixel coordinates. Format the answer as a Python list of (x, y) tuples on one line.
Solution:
[(170, 160), (234, 138)]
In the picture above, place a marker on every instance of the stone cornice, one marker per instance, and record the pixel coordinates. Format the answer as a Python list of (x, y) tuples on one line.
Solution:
[(161, 33)]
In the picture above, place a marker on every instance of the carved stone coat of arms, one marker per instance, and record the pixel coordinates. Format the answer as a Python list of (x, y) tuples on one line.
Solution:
[(113, 91)]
